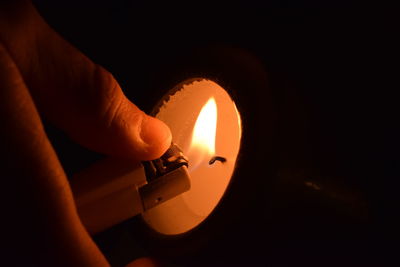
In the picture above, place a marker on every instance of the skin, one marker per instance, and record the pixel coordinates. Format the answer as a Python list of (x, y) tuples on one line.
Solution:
[(43, 76)]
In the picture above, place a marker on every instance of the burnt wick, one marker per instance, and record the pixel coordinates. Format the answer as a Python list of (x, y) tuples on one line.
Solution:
[(215, 158)]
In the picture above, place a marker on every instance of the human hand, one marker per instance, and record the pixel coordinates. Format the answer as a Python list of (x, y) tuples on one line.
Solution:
[(41, 75)]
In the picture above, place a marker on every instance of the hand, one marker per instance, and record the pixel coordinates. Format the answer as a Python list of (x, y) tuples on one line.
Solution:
[(42, 75)]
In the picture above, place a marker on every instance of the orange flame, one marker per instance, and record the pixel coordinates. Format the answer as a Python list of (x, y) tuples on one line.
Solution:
[(204, 132)]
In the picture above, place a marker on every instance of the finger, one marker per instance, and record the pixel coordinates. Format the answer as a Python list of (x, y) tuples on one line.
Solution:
[(43, 228), (144, 262), (81, 97)]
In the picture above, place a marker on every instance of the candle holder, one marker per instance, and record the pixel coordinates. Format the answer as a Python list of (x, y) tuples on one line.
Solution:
[(189, 224)]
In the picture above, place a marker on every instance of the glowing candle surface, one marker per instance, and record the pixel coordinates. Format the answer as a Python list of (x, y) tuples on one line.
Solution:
[(205, 123)]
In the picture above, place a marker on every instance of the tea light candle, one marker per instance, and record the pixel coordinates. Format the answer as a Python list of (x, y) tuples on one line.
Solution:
[(206, 124)]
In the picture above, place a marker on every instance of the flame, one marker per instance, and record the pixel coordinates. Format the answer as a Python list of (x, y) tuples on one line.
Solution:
[(204, 132)]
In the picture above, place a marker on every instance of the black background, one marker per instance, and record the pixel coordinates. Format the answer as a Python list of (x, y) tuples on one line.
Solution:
[(335, 121)]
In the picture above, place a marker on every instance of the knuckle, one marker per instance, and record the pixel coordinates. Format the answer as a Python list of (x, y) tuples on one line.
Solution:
[(110, 100)]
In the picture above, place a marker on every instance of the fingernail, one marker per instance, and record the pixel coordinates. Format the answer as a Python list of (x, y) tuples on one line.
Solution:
[(156, 134)]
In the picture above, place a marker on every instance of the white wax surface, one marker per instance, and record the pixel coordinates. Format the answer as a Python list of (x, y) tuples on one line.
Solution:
[(208, 182)]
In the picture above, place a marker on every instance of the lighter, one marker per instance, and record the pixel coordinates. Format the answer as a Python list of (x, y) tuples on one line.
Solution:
[(114, 190)]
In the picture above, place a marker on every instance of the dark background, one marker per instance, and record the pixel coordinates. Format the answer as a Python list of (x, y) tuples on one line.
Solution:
[(331, 81)]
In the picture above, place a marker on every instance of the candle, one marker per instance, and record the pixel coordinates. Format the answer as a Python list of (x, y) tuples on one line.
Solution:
[(205, 123)]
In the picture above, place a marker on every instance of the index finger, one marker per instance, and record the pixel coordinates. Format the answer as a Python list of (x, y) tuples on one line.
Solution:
[(77, 95)]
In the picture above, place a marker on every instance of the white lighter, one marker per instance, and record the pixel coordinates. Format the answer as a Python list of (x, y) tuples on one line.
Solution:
[(114, 190)]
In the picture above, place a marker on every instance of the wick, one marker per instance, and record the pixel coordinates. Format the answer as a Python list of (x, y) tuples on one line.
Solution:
[(215, 158)]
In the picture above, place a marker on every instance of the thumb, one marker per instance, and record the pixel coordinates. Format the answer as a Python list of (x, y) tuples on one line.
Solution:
[(96, 113), (78, 96)]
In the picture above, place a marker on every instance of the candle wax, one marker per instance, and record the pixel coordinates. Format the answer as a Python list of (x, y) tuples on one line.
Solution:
[(205, 123)]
